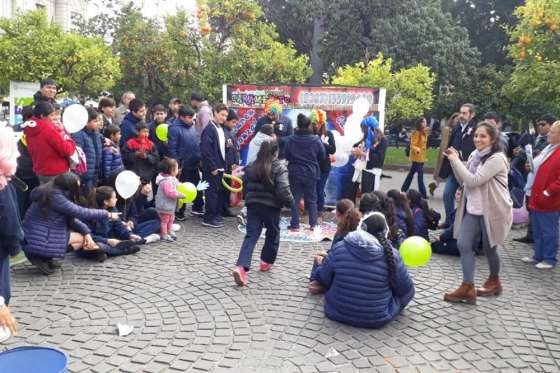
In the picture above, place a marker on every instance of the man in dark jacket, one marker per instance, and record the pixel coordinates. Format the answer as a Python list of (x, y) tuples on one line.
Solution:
[(131, 120), (46, 92), (213, 150), (283, 127), (462, 139), (183, 146), (304, 151)]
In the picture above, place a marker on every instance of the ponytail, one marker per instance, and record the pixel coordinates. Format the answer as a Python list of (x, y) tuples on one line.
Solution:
[(376, 225)]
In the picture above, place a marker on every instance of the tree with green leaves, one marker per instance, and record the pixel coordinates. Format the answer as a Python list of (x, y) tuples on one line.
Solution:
[(535, 49), (409, 90), (33, 48)]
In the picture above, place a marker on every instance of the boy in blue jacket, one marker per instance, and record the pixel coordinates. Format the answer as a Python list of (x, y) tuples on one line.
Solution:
[(91, 142), (213, 150), (111, 159), (304, 151), (183, 146)]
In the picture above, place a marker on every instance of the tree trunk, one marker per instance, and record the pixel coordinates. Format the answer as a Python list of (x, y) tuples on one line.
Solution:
[(316, 60)]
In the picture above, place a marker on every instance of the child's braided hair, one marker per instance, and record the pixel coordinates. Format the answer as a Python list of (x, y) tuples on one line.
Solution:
[(376, 225)]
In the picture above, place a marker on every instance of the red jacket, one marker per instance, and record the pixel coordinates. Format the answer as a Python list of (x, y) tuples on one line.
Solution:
[(547, 179), (49, 150)]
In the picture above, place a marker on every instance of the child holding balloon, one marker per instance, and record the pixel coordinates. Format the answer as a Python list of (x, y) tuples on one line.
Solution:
[(167, 196)]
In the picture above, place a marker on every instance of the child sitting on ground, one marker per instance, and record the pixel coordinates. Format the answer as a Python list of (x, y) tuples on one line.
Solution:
[(114, 237), (424, 217), (348, 218), (403, 213), (366, 282), (167, 196)]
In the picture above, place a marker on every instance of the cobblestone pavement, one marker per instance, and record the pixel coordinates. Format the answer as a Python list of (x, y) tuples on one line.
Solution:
[(189, 316)]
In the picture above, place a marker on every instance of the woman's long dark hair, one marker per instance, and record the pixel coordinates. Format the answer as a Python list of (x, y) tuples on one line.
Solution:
[(68, 182), (401, 202), (368, 203), (262, 166), (349, 222), (376, 225), (494, 135), (416, 200), (388, 209), (99, 195)]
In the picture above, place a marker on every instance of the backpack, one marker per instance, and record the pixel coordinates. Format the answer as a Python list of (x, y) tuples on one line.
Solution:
[(78, 162), (432, 218)]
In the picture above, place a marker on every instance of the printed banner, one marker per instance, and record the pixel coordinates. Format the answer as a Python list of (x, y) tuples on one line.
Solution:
[(21, 95), (248, 101)]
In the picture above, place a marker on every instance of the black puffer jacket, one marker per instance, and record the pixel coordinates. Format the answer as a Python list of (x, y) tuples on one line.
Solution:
[(276, 195)]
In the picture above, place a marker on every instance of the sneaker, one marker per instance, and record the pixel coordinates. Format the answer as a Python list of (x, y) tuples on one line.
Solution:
[(241, 219), (265, 267), (176, 227), (173, 236), (240, 276), (544, 265), (152, 238), (180, 217), (132, 250), (213, 224), (167, 238), (524, 239), (101, 257), (53, 264), (528, 259), (42, 265), (196, 213)]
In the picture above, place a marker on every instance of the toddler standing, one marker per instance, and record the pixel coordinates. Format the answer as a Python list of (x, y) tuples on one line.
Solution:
[(167, 196)]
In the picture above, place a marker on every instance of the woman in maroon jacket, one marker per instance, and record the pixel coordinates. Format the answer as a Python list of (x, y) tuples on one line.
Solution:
[(49, 150), (545, 202)]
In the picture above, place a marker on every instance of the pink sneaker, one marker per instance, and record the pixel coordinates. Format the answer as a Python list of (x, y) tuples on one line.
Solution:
[(240, 276), (265, 267)]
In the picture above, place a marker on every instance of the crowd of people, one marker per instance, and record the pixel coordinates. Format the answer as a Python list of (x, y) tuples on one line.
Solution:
[(63, 191)]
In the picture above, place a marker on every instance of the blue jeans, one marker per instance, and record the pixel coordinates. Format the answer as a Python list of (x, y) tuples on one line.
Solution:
[(416, 167), (192, 176), (5, 279), (451, 186), (259, 216), (545, 235), (321, 191), (305, 188)]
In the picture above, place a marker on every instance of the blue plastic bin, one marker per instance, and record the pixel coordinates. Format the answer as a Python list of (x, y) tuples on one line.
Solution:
[(33, 359)]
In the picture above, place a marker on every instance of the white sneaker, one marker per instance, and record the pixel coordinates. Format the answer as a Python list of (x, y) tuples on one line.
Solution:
[(544, 265), (528, 259), (152, 238), (176, 227)]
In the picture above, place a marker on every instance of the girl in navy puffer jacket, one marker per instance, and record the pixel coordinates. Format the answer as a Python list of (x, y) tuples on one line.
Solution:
[(114, 237), (53, 223), (367, 283)]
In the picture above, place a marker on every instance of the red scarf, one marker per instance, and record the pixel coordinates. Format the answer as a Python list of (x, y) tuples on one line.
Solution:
[(138, 143)]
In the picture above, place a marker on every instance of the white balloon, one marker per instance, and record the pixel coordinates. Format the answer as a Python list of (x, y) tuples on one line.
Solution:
[(360, 107), (353, 128), (74, 118), (127, 184), (341, 159)]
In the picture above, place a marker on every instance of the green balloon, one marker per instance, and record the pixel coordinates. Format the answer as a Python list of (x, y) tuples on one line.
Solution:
[(161, 132), (415, 251), (189, 190)]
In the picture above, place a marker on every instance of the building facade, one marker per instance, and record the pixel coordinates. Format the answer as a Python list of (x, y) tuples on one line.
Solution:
[(60, 11)]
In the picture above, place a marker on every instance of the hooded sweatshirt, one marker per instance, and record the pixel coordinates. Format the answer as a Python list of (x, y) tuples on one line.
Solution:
[(48, 149), (255, 146), (304, 151), (356, 274)]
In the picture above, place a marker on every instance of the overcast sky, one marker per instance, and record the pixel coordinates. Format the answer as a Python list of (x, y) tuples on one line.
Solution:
[(150, 8)]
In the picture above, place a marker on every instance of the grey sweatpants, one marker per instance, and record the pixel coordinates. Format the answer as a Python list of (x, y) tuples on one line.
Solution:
[(472, 227)]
